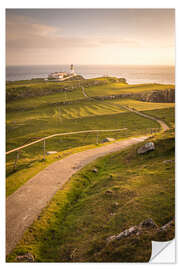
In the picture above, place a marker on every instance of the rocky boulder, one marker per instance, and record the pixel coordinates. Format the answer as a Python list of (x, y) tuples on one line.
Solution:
[(28, 257), (123, 234), (148, 224), (108, 140), (146, 148)]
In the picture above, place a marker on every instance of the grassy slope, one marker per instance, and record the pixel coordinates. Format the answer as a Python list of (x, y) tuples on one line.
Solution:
[(30, 167), (167, 115), (119, 88), (81, 216), (34, 154), (39, 117)]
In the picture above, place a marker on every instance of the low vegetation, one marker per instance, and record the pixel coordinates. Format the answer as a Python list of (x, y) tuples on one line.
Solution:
[(40, 116), (125, 189), (39, 87), (121, 88)]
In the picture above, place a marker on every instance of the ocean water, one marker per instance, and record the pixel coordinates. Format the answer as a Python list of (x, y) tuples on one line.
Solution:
[(133, 74)]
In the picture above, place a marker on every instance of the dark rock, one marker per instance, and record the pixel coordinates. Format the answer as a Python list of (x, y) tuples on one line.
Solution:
[(167, 226), (148, 224), (28, 257), (108, 192), (109, 140), (126, 233), (146, 148), (95, 170)]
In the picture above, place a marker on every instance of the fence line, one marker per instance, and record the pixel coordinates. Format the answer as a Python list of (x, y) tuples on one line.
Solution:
[(61, 134)]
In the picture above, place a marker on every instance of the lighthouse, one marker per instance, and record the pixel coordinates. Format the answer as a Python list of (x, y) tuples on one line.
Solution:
[(72, 69)]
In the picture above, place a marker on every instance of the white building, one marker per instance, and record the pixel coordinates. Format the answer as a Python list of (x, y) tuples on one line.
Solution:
[(57, 75), (62, 75)]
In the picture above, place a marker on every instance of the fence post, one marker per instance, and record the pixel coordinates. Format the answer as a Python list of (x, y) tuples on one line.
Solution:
[(44, 149), (16, 160), (97, 139)]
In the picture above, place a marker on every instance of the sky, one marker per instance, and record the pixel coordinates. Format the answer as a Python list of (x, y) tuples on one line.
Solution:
[(90, 36)]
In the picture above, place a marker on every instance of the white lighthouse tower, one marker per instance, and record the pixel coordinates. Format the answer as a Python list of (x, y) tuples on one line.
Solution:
[(72, 69)]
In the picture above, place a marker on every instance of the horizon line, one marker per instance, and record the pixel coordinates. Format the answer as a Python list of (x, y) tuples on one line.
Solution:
[(159, 65)]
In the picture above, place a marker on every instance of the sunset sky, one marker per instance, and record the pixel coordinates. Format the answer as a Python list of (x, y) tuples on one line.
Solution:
[(90, 36)]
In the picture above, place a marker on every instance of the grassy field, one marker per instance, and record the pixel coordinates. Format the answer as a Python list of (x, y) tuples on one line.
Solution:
[(120, 88), (40, 116), (34, 154), (75, 225), (167, 115), (34, 88)]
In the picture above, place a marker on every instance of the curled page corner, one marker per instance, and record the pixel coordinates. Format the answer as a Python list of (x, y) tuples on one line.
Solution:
[(163, 252)]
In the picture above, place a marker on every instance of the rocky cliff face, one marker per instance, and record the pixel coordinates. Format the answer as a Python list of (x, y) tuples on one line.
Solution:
[(158, 96)]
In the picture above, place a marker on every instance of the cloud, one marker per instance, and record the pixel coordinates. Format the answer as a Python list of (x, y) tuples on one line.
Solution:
[(21, 33)]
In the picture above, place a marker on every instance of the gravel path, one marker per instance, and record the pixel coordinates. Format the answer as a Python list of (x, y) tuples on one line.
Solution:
[(26, 203), (163, 125)]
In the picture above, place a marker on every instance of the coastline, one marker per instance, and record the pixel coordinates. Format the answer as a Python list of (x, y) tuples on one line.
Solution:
[(133, 74)]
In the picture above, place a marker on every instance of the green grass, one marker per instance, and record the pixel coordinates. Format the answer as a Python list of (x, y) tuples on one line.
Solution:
[(40, 116), (142, 105), (35, 128), (30, 158), (47, 100), (80, 217), (29, 167), (167, 115), (120, 88), (33, 88)]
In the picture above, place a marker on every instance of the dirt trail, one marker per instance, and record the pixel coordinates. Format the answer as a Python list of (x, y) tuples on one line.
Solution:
[(26, 203), (163, 125)]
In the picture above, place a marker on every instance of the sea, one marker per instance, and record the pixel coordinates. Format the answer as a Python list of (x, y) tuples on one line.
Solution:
[(133, 74)]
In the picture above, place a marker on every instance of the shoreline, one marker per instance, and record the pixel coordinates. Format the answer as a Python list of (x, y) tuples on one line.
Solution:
[(133, 74)]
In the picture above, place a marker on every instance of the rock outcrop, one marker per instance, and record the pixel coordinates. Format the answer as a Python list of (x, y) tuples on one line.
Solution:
[(108, 140), (28, 257), (147, 224), (146, 148), (158, 96)]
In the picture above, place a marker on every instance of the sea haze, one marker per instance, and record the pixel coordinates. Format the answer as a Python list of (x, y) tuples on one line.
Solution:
[(133, 74)]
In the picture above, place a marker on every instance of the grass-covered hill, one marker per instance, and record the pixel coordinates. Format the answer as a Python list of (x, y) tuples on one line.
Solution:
[(124, 190), (40, 87), (38, 108)]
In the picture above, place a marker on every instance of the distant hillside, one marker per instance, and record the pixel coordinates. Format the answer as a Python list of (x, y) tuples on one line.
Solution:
[(32, 88)]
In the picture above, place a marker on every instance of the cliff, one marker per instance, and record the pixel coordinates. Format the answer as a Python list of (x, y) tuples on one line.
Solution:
[(158, 96)]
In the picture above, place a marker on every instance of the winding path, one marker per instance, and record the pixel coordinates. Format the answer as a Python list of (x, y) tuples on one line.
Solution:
[(163, 125), (26, 203)]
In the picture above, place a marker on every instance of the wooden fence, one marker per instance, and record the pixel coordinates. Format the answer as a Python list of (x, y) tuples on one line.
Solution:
[(18, 149)]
